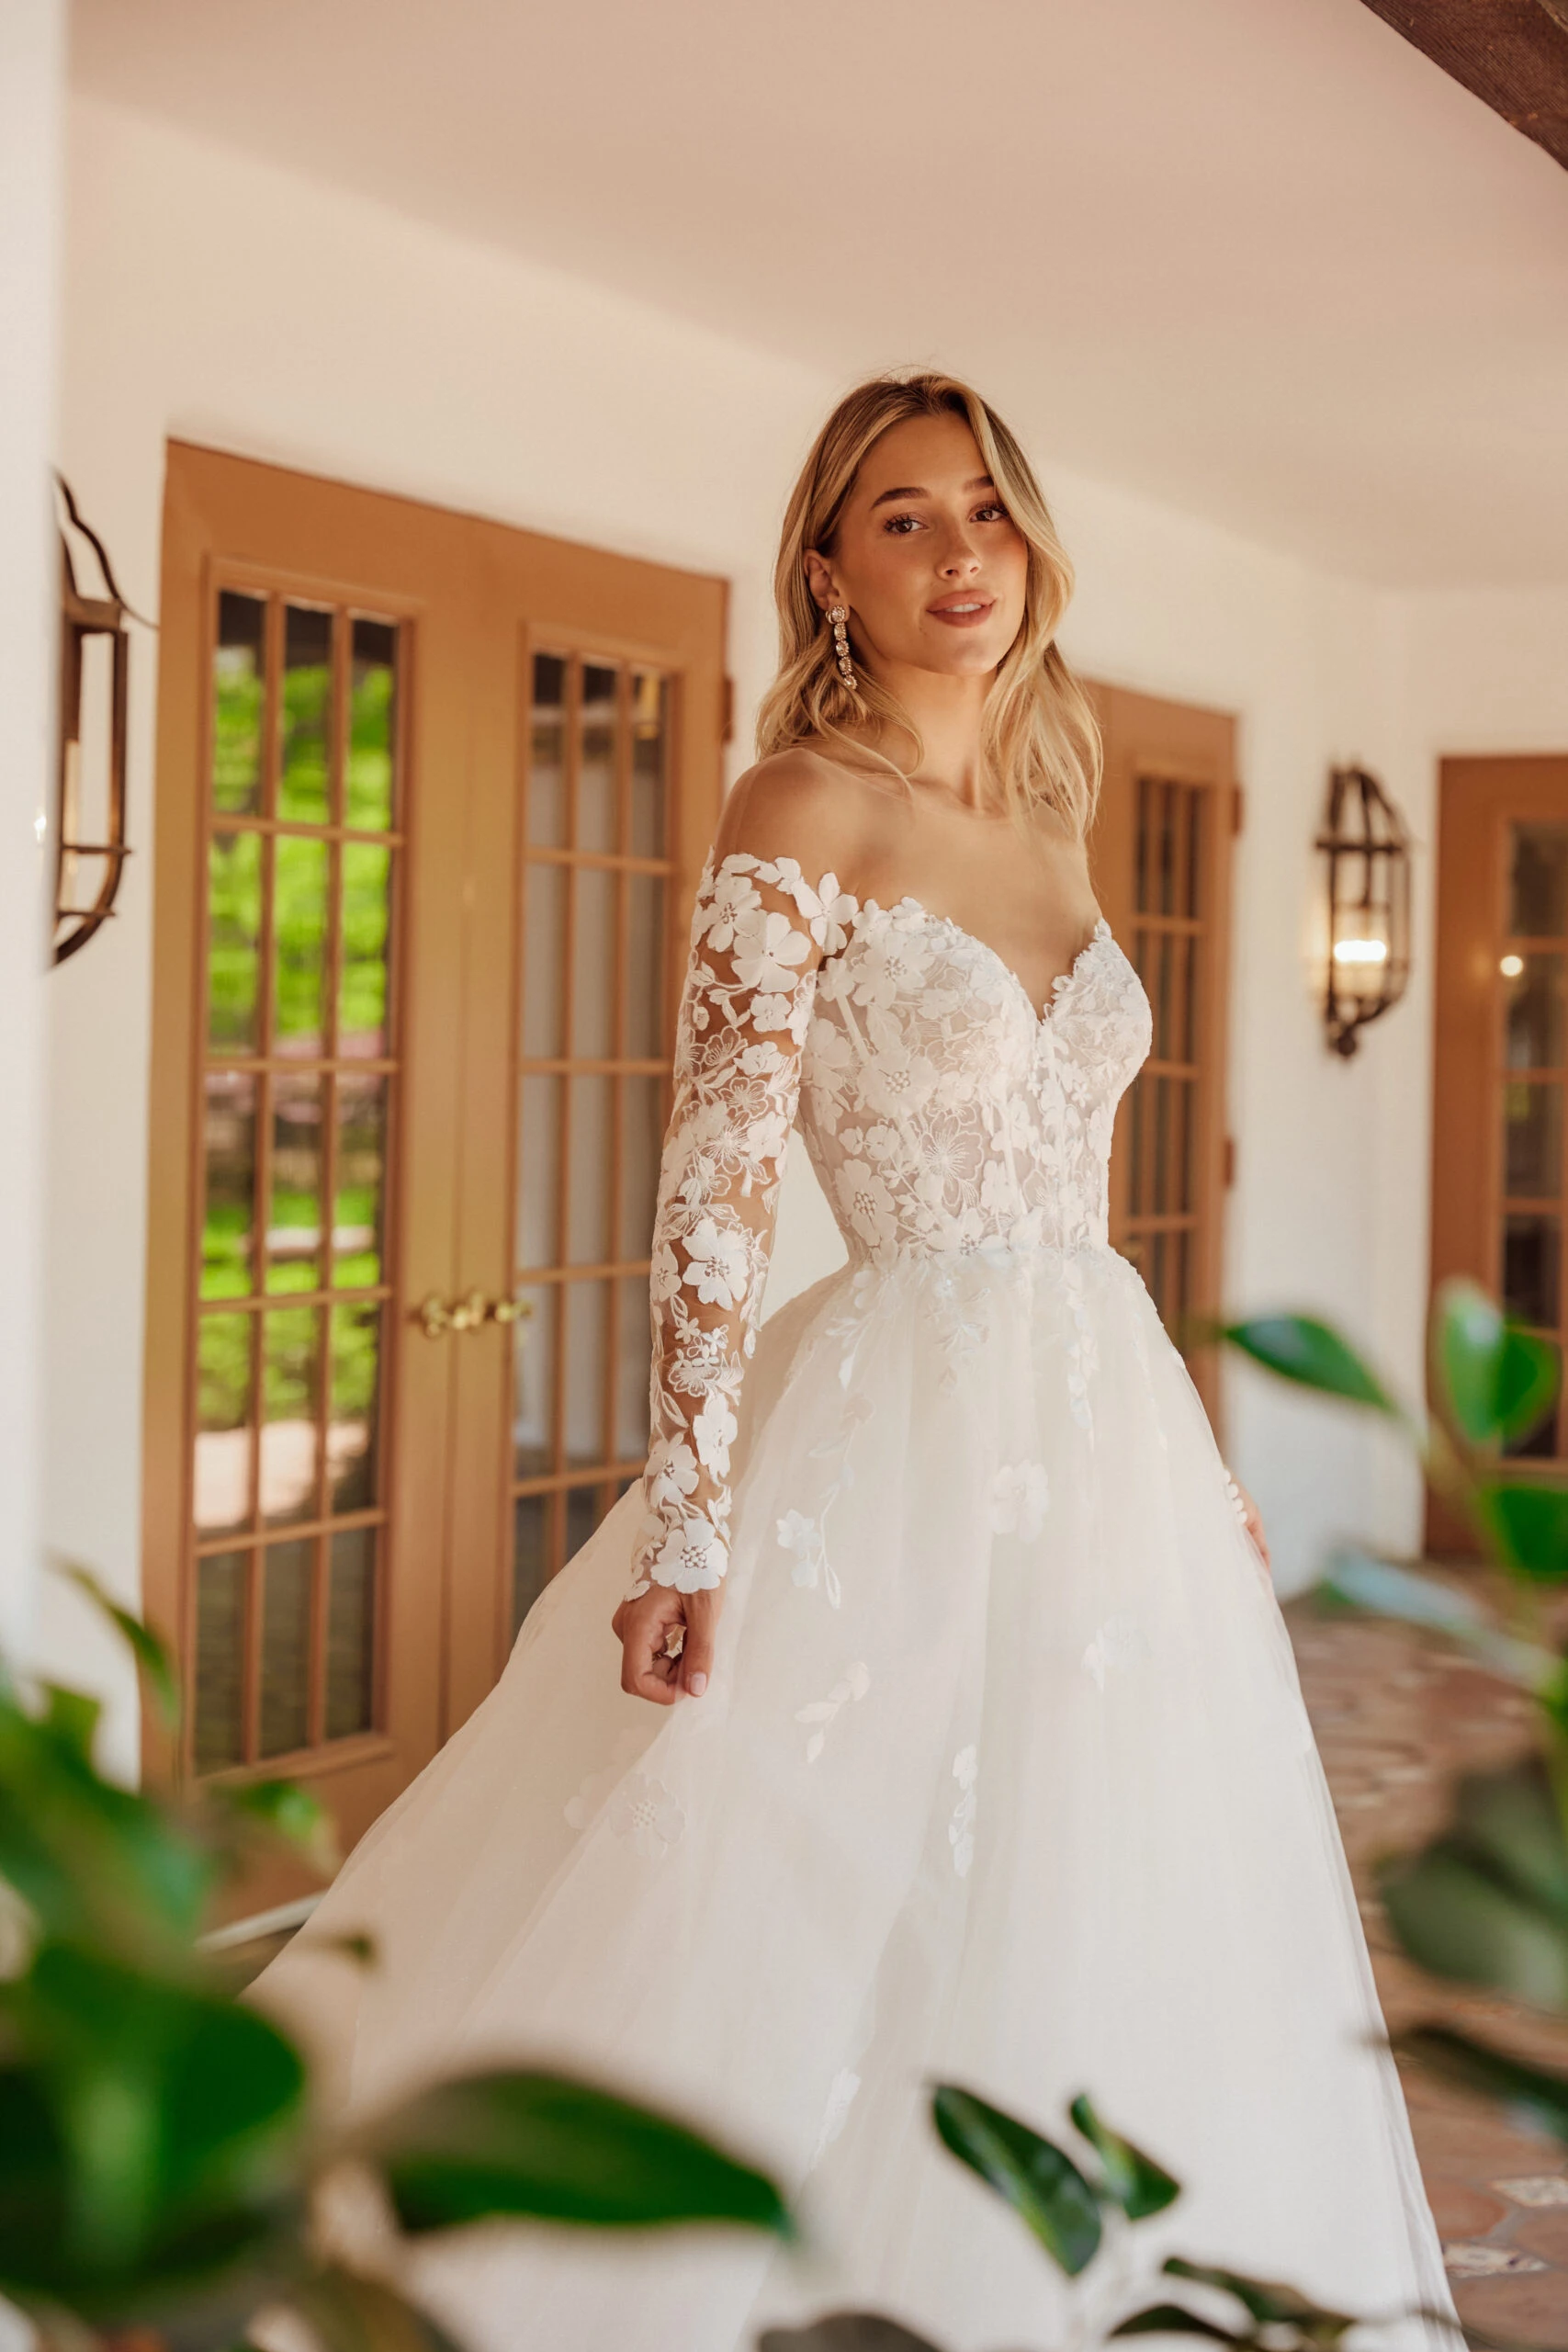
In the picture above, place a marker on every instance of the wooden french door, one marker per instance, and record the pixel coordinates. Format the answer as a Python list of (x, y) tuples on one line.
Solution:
[(1499, 1176), (1161, 860), (433, 795)]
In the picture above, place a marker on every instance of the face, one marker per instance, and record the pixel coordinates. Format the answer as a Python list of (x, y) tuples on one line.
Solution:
[(926, 557)]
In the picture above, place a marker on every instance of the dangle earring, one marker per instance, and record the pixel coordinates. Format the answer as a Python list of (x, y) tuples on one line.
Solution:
[(838, 617)]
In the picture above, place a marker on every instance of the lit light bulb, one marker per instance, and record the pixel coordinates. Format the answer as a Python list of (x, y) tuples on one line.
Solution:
[(1361, 950), (1511, 967)]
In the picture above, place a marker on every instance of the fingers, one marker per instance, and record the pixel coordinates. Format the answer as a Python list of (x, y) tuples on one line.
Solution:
[(649, 1627), (644, 1626), (702, 1625)]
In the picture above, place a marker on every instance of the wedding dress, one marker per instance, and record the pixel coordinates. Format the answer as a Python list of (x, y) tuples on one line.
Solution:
[(1003, 1776)]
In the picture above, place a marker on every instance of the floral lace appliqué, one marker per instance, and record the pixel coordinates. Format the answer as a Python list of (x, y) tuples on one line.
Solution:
[(1120, 1642), (759, 932), (854, 1682), (643, 1812), (944, 1115), (943, 1111), (1020, 1496)]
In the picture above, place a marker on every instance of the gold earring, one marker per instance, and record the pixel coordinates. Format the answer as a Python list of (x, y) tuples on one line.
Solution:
[(838, 617)]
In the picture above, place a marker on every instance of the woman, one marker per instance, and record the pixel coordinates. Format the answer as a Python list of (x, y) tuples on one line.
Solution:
[(976, 1749)]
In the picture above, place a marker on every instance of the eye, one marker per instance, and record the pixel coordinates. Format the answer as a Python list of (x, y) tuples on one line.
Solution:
[(900, 526), (994, 512)]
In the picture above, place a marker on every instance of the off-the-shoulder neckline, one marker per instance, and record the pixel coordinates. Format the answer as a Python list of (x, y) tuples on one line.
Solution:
[(1101, 933), (1059, 986)]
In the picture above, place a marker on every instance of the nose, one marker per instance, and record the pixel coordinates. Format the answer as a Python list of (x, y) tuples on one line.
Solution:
[(959, 558)]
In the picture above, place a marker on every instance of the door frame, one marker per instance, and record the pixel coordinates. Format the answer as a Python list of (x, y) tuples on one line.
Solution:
[(562, 606), (1145, 736), (451, 581), (1478, 798)]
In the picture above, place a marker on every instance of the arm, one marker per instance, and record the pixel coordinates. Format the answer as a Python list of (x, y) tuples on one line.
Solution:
[(759, 930)]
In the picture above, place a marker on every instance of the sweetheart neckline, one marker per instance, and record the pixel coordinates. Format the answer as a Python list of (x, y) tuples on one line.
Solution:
[(1059, 986)]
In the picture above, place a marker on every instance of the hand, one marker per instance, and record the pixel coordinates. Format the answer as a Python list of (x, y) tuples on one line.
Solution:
[(643, 1628), (1252, 1520)]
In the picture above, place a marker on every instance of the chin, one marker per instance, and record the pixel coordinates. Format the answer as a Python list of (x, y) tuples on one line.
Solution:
[(965, 660)]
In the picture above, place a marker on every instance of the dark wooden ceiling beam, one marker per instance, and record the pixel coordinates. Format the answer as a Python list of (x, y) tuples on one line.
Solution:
[(1511, 53)]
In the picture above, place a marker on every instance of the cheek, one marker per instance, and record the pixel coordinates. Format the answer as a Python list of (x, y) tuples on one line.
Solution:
[(1016, 569), (888, 577)]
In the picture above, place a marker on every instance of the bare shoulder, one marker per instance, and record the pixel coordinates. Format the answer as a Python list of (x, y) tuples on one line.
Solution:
[(798, 803)]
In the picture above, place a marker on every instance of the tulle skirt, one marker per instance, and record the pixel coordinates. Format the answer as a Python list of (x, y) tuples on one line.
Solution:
[(1003, 1778)]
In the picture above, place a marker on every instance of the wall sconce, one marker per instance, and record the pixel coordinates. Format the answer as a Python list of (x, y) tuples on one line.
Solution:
[(82, 620), (1368, 852)]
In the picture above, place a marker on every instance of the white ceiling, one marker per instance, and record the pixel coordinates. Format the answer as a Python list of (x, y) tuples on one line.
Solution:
[(1256, 257)]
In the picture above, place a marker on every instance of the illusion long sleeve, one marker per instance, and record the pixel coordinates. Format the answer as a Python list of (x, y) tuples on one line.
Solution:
[(760, 932)]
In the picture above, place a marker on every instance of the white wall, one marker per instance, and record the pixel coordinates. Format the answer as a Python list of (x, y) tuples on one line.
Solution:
[(32, 101), (216, 298)]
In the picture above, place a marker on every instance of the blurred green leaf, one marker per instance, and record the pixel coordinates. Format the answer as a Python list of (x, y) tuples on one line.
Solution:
[(348, 2313), (1038, 2179), (1270, 2301), (1356, 1580), (1496, 1381), (72, 1716), (152, 1659), (1510, 1816), (542, 2145), (198, 2279), (1172, 2319), (151, 2128), (1551, 1696), (1139, 2185), (1534, 2095), (1453, 1916), (1528, 1522), (1299, 1347), (96, 1863), (844, 2331), (280, 1809)]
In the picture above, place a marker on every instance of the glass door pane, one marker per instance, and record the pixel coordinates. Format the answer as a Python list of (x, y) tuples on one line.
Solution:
[(291, 1322), (592, 1088), (1171, 946), (1531, 968)]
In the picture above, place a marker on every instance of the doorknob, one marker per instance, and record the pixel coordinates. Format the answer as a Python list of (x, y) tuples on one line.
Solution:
[(438, 1315), (510, 1310)]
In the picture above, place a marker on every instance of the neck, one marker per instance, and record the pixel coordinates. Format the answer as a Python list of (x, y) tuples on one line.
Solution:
[(948, 712)]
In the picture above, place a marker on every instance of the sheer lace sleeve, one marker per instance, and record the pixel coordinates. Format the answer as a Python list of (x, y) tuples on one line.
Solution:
[(759, 933)]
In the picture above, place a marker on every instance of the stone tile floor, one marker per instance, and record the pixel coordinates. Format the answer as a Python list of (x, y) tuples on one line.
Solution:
[(1397, 1712)]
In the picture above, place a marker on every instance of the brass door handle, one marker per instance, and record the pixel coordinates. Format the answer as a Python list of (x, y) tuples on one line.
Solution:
[(510, 1310), (438, 1315)]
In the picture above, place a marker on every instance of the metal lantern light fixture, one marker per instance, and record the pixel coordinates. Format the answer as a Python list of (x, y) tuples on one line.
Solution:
[(1367, 853), (81, 620)]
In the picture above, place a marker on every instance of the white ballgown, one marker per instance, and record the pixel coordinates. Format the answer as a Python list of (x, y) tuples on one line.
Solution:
[(1003, 1777)]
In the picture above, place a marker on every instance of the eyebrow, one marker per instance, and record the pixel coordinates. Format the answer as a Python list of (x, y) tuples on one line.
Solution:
[(912, 490)]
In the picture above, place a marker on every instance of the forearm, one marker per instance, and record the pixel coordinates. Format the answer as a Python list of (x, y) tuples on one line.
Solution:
[(760, 932)]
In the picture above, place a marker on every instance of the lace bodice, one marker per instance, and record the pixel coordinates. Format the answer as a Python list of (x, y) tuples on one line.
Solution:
[(943, 1111)]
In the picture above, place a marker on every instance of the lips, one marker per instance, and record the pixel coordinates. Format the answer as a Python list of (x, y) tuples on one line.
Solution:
[(962, 612)]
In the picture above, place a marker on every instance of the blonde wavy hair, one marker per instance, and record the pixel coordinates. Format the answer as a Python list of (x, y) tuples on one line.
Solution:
[(1041, 740)]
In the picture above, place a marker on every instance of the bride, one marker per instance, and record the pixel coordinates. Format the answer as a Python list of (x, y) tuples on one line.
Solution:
[(974, 1750)]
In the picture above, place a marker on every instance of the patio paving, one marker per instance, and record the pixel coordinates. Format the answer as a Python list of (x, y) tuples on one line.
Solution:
[(1397, 1712)]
